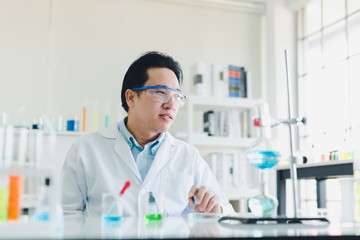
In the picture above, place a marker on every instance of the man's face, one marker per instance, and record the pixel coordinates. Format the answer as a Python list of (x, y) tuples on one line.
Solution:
[(150, 115)]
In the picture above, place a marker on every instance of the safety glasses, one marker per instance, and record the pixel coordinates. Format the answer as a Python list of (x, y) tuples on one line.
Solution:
[(164, 94)]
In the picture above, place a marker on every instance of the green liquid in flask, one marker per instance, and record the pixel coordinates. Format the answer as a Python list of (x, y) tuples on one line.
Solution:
[(153, 217)]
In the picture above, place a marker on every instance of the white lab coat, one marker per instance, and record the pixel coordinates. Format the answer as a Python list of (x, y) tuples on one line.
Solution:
[(101, 162)]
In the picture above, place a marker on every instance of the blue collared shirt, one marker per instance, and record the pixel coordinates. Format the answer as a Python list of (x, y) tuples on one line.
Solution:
[(143, 156)]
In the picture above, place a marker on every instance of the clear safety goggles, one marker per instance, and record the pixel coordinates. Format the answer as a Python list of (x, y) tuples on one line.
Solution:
[(164, 94)]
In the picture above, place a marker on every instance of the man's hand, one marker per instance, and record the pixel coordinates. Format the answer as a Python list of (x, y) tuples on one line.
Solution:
[(206, 200)]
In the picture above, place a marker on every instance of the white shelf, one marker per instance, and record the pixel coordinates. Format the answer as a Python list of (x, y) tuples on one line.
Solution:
[(67, 133), (228, 102), (222, 142), (28, 171)]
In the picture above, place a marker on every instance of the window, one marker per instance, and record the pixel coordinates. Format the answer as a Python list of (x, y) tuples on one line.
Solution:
[(329, 84), (328, 75)]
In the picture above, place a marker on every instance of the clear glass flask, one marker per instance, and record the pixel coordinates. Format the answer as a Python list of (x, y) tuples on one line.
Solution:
[(263, 205), (264, 155), (152, 211), (42, 209)]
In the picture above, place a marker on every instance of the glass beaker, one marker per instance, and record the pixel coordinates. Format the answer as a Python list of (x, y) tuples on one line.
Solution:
[(112, 209)]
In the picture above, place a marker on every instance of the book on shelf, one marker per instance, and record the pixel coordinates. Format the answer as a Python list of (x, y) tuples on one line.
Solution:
[(220, 80), (234, 116), (242, 83), (245, 124), (202, 78), (209, 123), (248, 84), (232, 81), (234, 123), (221, 124), (237, 81)]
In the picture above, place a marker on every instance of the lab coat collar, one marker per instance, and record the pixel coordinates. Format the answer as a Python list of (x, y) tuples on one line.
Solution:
[(121, 147), (110, 132)]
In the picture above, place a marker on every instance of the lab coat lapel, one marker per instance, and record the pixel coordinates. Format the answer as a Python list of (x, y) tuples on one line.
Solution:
[(162, 156), (123, 150), (121, 147)]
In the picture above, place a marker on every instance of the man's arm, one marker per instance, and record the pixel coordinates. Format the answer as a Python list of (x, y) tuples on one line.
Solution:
[(210, 197)]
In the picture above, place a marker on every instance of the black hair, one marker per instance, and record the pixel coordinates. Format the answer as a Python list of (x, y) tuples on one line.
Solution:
[(136, 75)]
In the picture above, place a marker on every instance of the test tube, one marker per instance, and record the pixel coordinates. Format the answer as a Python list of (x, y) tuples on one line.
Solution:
[(2, 145), (31, 147), (35, 141), (15, 186), (95, 116), (51, 143), (107, 114), (60, 124), (84, 109), (38, 148), (21, 134), (4, 198), (9, 143)]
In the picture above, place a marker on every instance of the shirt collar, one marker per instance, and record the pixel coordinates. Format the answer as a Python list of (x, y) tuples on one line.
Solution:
[(131, 141)]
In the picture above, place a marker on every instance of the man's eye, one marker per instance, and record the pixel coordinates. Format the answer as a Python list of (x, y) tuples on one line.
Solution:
[(159, 92), (179, 97)]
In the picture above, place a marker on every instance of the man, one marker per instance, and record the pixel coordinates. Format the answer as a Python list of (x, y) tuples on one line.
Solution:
[(140, 149)]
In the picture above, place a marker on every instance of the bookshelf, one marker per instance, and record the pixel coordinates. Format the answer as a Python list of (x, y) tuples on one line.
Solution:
[(197, 103), (205, 143)]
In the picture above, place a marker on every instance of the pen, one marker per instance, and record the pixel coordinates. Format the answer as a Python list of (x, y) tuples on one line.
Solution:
[(194, 200)]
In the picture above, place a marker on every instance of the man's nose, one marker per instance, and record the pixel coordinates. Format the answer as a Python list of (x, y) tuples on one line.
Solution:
[(172, 103)]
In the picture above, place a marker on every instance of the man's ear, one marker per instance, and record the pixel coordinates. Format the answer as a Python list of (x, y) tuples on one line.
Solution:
[(130, 97)]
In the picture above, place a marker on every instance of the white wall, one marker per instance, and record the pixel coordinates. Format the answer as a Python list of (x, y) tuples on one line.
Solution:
[(55, 54), (24, 43)]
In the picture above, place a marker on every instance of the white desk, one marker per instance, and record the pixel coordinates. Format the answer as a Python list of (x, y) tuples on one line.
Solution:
[(136, 228)]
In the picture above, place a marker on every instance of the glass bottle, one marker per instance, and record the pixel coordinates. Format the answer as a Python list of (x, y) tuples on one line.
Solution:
[(263, 205), (42, 209), (152, 211)]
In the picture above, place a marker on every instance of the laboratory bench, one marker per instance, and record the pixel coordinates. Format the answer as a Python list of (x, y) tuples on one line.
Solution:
[(319, 171), (183, 228)]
